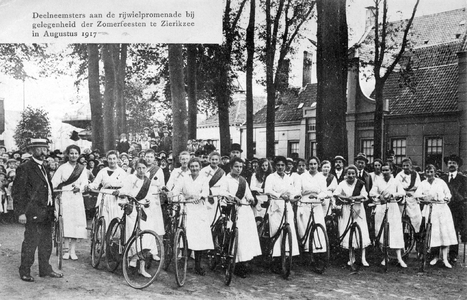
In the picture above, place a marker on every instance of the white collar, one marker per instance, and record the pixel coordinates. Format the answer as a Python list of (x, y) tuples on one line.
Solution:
[(453, 174), (39, 162)]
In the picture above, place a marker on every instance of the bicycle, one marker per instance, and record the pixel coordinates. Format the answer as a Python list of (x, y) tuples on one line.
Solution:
[(318, 239), (98, 233), (136, 250), (58, 230), (267, 242), (409, 232), (424, 247), (225, 236), (354, 230)]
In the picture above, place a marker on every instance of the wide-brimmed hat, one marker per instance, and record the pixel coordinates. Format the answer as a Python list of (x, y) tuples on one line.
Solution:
[(339, 157), (455, 158), (236, 147), (37, 143), (361, 156)]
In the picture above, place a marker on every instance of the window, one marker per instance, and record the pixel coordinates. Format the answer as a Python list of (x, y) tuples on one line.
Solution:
[(312, 149), (312, 125), (398, 146), (294, 147), (367, 148), (434, 152)]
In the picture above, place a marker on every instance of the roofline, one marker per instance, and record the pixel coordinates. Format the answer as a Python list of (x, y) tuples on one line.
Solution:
[(430, 114)]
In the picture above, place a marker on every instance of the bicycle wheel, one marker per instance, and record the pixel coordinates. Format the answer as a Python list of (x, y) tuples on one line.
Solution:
[(143, 259), (319, 248), (180, 256), (168, 245), (355, 245), (425, 247), (218, 238), (113, 244), (97, 242), (409, 240), (231, 256), (59, 241), (386, 246), (286, 251)]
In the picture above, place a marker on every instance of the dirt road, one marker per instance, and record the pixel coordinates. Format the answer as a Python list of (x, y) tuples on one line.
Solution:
[(82, 282)]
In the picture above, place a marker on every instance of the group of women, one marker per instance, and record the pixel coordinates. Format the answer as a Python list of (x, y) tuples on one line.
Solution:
[(266, 192)]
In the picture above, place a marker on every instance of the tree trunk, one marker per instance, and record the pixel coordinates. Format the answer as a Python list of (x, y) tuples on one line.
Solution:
[(191, 82), (109, 96), (223, 97), (121, 55), (95, 97), (378, 131), (177, 89), (331, 133), (250, 46), (271, 92)]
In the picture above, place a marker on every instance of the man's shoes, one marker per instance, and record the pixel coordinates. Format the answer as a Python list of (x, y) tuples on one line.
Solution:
[(52, 274), (27, 278)]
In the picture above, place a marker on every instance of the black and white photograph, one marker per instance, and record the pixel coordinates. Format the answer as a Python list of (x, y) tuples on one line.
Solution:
[(236, 149)]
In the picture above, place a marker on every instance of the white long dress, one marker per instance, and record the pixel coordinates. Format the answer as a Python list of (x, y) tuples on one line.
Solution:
[(443, 232), (346, 190), (108, 184), (209, 172), (276, 185), (74, 215), (390, 187), (198, 225), (248, 240), (154, 221), (315, 184), (413, 208)]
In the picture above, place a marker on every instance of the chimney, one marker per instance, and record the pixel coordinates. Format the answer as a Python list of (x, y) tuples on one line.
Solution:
[(307, 62), (370, 17), (283, 76)]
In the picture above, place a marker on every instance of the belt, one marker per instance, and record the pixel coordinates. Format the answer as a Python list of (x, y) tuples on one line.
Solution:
[(112, 187)]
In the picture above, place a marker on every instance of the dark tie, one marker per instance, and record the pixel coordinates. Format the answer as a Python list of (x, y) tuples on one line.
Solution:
[(451, 178)]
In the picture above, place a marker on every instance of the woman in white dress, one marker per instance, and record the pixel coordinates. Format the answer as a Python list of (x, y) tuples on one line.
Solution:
[(312, 184), (195, 187), (235, 187), (443, 233), (257, 183), (71, 178), (108, 180), (139, 186), (353, 189), (279, 186), (386, 190)]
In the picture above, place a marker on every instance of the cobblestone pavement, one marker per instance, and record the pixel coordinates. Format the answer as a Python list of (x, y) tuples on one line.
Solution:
[(81, 281)]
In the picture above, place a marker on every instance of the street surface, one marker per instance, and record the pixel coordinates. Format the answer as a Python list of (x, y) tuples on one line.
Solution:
[(82, 282)]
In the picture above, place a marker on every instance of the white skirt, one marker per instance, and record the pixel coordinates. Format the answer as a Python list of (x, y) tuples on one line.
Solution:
[(110, 209), (198, 227), (303, 215), (276, 211), (74, 215), (443, 232), (413, 212), (396, 238), (152, 223), (248, 240), (360, 218)]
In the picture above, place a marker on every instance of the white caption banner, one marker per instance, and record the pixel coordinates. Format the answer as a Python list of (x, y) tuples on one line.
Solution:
[(111, 21)]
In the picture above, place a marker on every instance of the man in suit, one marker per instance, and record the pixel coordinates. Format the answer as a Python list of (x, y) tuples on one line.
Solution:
[(457, 184), (338, 170), (360, 162), (32, 194)]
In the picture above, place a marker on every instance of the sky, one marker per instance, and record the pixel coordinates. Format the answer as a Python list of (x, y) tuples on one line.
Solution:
[(55, 94)]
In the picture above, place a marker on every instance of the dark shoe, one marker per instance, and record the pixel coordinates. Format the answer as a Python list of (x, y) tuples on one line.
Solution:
[(200, 271), (240, 273), (27, 278), (52, 274)]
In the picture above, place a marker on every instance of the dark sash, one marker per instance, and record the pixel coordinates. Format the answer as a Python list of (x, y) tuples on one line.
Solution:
[(73, 177), (144, 189), (215, 178), (329, 179), (413, 177), (241, 187), (358, 188), (152, 171)]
